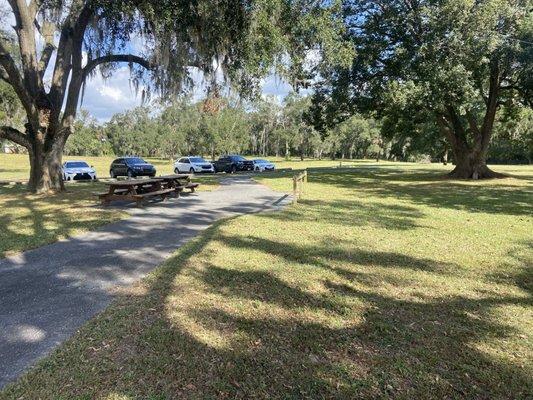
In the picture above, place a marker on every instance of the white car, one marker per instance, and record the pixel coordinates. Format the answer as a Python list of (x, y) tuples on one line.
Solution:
[(77, 171), (190, 165), (261, 165)]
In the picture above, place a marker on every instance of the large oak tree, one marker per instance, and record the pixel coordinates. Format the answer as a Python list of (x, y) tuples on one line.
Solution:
[(55, 45), (454, 63)]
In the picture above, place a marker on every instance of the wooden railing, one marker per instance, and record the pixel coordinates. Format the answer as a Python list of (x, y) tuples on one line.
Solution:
[(298, 182)]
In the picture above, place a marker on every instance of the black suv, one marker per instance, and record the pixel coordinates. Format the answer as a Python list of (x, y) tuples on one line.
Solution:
[(233, 163), (131, 167)]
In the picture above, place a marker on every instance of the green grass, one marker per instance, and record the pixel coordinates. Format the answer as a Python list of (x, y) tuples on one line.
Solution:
[(387, 283), (17, 167), (28, 221)]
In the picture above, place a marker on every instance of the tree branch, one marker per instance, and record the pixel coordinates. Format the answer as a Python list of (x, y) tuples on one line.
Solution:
[(129, 58), (45, 57), (69, 60), (14, 135), (12, 75), (75, 23), (25, 29)]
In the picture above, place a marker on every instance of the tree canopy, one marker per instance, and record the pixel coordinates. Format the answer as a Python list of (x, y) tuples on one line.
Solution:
[(56, 45), (453, 63)]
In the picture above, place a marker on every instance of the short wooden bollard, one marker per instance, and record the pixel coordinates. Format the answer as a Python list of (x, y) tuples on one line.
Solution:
[(298, 182)]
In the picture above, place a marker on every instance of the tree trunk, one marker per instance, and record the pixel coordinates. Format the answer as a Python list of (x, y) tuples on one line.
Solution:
[(287, 150), (472, 165), (45, 167), (470, 157)]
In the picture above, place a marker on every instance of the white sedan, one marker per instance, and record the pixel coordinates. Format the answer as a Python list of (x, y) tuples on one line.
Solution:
[(77, 171), (261, 165), (190, 165)]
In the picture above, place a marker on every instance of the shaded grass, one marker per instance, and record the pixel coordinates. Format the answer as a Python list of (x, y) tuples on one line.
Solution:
[(28, 221), (369, 288)]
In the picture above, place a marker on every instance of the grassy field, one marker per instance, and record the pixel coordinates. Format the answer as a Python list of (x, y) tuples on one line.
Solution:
[(381, 283), (16, 166)]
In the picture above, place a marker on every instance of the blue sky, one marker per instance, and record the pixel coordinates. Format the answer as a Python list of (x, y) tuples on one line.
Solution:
[(103, 98)]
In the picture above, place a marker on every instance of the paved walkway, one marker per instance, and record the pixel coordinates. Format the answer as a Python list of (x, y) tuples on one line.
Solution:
[(46, 294)]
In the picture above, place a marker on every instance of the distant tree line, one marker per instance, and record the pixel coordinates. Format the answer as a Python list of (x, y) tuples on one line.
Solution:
[(264, 128), (268, 128), (296, 127)]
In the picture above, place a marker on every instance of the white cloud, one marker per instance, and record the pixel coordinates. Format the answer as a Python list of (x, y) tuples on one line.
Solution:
[(103, 98), (112, 92)]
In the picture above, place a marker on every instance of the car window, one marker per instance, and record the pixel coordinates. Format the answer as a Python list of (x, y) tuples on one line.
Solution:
[(76, 164), (238, 158), (186, 161), (261, 161), (135, 160), (197, 160), (181, 160), (118, 161), (223, 159)]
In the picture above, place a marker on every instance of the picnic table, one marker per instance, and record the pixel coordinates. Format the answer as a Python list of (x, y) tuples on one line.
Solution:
[(137, 190), (179, 182)]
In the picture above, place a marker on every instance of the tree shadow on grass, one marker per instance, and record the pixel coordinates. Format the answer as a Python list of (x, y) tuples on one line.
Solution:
[(428, 188), (521, 259), (29, 221), (322, 256), (353, 213), (202, 331)]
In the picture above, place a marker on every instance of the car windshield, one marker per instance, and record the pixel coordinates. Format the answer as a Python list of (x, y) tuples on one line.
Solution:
[(76, 164), (197, 160), (239, 158), (261, 161), (135, 161)]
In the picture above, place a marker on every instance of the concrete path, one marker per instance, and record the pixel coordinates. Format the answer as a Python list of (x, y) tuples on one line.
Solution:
[(46, 294)]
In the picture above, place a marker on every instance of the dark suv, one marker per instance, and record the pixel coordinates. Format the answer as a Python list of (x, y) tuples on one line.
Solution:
[(131, 167), (233, 163)]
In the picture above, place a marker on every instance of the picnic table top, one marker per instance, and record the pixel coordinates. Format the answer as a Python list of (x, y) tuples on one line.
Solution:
[(133, 182), (174, 176)]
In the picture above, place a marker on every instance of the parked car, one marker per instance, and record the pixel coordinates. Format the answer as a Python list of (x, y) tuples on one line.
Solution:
[(192, 164), (77, 171), (232, 164), (131, 167), (261, 165)]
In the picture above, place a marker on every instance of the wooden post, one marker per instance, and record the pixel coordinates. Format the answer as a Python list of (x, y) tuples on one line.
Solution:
[(294, 190), (298, 185)]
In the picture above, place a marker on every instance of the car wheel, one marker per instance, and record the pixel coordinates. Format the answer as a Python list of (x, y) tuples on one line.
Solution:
[(176, 171), (257, 169), (233, 169), (130, 173), (112, 174), (191, 171)]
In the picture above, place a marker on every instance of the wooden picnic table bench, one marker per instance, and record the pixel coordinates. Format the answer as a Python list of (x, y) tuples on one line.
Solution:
[(179, 182), (136, 190)]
